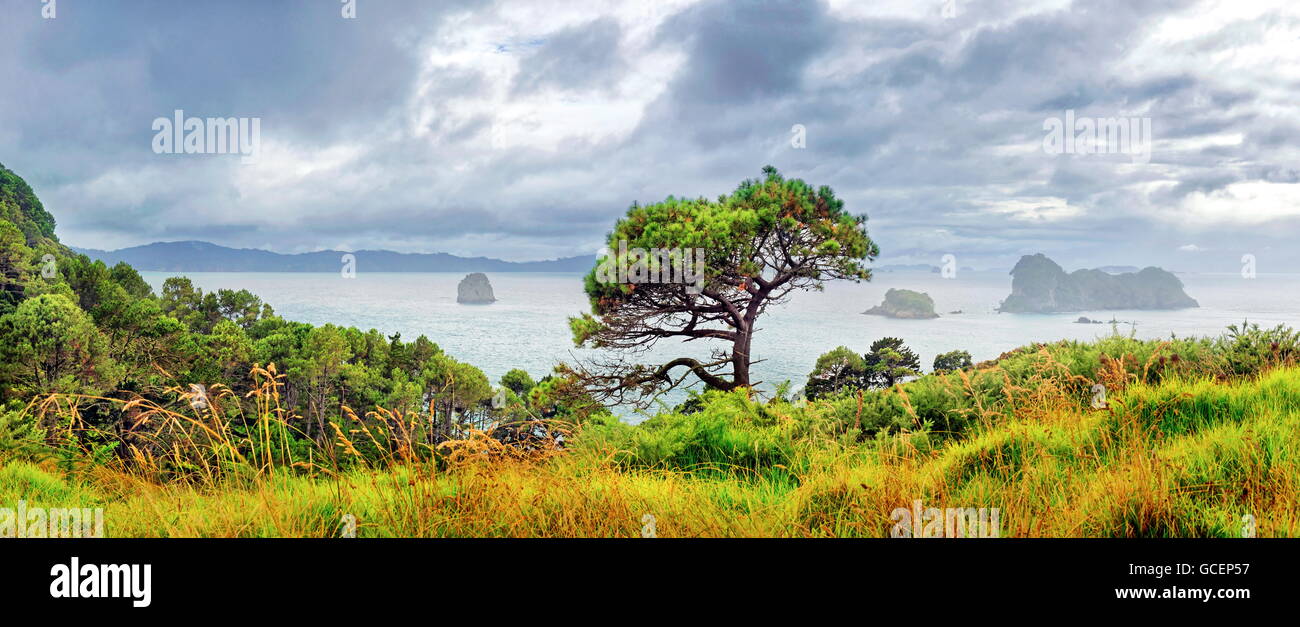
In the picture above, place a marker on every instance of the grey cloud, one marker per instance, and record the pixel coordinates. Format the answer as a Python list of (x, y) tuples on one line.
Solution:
[(744, 51), (919, 122), (578, 57)]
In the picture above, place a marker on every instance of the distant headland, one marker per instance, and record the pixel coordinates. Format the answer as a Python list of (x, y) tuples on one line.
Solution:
[(1039, 285)]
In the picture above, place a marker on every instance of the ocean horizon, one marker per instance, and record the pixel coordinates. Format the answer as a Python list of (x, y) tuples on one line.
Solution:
[(527, 326)]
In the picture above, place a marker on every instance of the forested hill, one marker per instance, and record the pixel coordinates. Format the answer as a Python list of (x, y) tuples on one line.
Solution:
[(96, 336), (20, 206), (206, 257)]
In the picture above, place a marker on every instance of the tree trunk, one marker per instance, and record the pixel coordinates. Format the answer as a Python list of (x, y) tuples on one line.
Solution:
[(740, 358)]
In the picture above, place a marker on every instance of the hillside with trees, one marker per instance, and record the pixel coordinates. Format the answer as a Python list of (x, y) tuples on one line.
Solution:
[(176, 411), (99, 337)]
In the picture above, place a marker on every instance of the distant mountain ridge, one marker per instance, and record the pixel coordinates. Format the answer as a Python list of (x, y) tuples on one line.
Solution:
[(194, 256)]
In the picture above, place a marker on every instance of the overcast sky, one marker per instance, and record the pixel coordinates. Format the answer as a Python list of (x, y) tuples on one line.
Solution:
[(523, 130)]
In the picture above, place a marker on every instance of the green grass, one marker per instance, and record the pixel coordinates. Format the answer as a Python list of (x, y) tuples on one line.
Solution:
[(1173, 458), (1198, 434)]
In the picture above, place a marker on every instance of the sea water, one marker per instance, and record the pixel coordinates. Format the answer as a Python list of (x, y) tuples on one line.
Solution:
[(527, 327)]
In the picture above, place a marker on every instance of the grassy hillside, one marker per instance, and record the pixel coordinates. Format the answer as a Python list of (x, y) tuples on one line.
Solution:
[(1181, 456)]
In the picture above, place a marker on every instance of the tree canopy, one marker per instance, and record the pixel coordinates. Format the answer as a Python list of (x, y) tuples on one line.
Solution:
[(752, 249), (48, 344), (952, 360), (888, 362)]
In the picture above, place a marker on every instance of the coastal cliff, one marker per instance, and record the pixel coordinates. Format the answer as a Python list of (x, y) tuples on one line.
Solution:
[(1039, 285)]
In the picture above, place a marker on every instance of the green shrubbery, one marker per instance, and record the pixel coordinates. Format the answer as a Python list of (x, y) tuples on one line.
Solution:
[(736, 432)]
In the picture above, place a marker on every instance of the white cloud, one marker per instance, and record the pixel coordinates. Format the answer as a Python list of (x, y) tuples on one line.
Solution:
[(1044, 209), (1248, 203), (545, 119)]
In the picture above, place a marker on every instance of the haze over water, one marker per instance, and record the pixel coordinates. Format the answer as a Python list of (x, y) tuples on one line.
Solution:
[(527, 327)]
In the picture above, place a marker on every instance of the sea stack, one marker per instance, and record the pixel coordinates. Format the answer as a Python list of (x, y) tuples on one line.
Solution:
[(905, 304), (475, 289), (1039, 285)]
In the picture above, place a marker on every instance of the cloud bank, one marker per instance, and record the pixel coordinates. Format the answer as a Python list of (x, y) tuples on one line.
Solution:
[(521, 130)]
